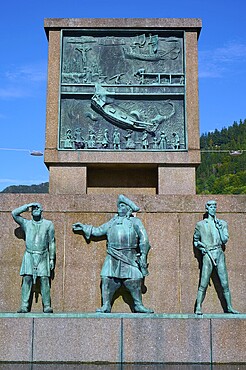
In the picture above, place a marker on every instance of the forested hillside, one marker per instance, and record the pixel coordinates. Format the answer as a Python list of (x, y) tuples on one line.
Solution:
[(41, 188), (222, 171), (223, 168)]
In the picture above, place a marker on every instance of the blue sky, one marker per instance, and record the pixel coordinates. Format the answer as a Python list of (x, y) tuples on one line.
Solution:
[(23, 68)]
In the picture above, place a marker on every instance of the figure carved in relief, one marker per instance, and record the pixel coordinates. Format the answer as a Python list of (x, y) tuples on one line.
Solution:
[(129, 140), (79, 141), (145, 141), (83, 51), (163, 140), (91, 142), (105, 140), (116, 139), (155, 143), (68, 141), (175, 141)]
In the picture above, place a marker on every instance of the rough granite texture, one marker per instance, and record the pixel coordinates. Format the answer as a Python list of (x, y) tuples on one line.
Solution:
[(103, 339), (177, 180), (87, 340), (54, 366), (183, 23), (15, 339), (174, 271), (167, 340), (229, 340)]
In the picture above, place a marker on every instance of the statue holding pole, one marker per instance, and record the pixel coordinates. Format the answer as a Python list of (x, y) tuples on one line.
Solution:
[(210, 237)]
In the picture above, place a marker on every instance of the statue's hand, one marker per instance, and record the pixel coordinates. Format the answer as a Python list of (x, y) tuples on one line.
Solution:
[(78, 227), (32, 205), (143, 259), (52, 264), (203, 250), (218, 224)]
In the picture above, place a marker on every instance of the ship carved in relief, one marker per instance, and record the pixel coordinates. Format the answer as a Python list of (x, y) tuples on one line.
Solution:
[(148, 48), (119, 116)]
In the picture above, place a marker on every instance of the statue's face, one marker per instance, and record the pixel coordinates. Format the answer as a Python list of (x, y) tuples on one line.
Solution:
[(122, 209), (211, 208), (37, 211)]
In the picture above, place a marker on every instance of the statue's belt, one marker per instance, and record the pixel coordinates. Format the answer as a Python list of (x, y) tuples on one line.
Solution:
[(213, 247), (37, 252), (116, 253), (126, 247)]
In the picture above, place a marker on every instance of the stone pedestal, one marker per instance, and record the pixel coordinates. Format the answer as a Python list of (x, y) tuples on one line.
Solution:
[(122, 338)]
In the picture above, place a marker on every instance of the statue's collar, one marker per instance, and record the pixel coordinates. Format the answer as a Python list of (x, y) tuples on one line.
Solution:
[(121, 219), (37, 222)]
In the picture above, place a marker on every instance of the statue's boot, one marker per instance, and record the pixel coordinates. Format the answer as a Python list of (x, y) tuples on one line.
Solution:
[(45, 292), (106, 308), (227, 296), (199, 300), (25, 294), (134, 286), (106, 297)]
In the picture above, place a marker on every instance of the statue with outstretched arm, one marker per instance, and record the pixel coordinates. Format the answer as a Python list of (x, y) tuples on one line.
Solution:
[(127, 251)]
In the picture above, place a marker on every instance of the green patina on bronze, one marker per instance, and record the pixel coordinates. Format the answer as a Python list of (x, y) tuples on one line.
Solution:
[(210, 237), (39, 256), (127, 81), (127, 250)]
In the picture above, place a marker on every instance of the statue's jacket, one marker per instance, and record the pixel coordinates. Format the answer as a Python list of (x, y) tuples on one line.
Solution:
[(40, 247), (208, 234), (126, 239)]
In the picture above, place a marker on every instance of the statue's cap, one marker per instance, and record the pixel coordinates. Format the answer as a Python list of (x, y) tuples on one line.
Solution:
[(123, 199), (211, 201), (37, 205)]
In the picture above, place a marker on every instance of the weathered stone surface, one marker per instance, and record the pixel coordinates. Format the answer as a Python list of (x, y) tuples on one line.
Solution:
[(182, 180), (122, 22), (52, 366), (167, 340), (72, 340), (16, 339), (67, 180), (104, 339), (228, 340)]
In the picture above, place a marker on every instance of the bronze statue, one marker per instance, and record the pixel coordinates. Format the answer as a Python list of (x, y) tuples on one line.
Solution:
[(39, 256), (127, 250), (210, 237)]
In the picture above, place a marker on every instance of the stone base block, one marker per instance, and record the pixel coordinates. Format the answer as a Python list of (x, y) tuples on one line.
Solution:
[(176, 180), (67, 180), (128, 180), (122, 338)]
